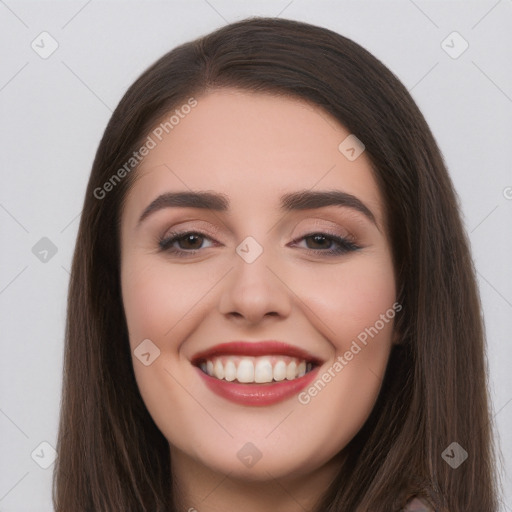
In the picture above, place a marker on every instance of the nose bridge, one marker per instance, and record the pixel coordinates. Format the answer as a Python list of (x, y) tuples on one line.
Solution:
[(252, 289)]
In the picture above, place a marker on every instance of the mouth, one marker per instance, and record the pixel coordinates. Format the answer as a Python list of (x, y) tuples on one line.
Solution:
[(256, 373)]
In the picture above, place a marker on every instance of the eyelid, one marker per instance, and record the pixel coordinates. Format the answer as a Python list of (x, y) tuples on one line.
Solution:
[(314, 223), (202, 227), (178, 231), (324, 231), (325, 227)]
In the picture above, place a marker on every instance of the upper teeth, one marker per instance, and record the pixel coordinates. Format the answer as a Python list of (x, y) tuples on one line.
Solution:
[(255, 369)]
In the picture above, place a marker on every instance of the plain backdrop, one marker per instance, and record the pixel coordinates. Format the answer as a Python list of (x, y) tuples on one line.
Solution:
[(54, 108)]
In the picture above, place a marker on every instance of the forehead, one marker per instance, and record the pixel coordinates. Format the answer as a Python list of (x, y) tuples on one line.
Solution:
[(253, 147)]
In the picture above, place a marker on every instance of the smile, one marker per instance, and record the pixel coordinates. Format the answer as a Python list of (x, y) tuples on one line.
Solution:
[(256, 373)]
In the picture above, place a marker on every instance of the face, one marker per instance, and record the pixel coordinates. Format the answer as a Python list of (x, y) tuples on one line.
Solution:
[(311, 273)]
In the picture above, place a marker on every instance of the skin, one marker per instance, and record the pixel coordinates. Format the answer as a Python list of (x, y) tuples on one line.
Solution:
[(254, 147)]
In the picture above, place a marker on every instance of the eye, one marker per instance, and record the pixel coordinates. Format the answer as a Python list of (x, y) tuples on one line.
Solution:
[(341, 245), (190, 242), (188, 239)]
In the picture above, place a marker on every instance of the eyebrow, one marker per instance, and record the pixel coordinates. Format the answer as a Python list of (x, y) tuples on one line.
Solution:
[(300, 200)]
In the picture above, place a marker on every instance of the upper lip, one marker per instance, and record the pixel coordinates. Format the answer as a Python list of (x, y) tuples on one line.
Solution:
[(255, 348)]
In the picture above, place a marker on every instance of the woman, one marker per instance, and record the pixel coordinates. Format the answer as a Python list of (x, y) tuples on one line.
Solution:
[(266, 369)]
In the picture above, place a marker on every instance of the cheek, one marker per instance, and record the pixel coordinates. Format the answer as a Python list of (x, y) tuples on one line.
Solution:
[(158, 295), (157, 300), (357, 305), (354, 310), (350, 298)]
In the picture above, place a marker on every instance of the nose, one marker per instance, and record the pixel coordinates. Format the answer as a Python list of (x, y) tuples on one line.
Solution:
[(255, 290)]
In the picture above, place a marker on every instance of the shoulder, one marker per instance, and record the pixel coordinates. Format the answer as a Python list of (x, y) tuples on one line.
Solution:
[(417, 505)]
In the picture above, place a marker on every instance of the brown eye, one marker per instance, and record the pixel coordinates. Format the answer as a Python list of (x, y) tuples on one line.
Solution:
[(320, 240), (189, 241), (326, 242)]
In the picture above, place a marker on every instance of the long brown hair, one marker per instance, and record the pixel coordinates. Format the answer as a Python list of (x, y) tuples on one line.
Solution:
[(111, 454)]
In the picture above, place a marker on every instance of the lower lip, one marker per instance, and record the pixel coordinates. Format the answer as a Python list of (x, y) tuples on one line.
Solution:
[(258, 394)]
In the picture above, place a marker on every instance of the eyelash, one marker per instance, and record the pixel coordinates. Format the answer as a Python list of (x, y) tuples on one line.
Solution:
[(344, 244)]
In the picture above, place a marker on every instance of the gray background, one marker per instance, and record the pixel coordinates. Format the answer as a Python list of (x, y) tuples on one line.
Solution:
[(53, 112)]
